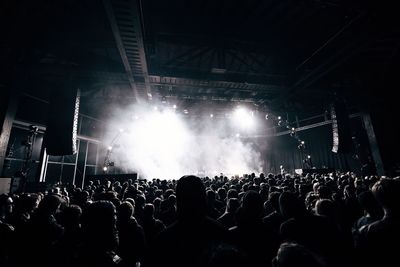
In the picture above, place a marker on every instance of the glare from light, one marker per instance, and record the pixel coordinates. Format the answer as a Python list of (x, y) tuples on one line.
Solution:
[(174, 106), (309, 157), (155, 108), (121, 130), (110, 148), (279, 117), (105, 168), (157, 140), (211, 115), (164, 145), (243, 118), (302, 142), (185, 111), (293, 129)]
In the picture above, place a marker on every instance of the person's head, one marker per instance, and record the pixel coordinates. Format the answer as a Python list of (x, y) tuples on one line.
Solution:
[(29, 202), (99, 225), (252, 208), (70, 216), (140, 200), (49, 204), (290, 206), (369, 204), (148, 211), (349, 191), (324, 192), (232, 205), (293, 255), (6, 205), (130, 200), (125, 211), (191, 198), (172, 200), (325, 207), (387, 191), (210, 196), (157, 202), (221, 193), (232, 193), (273, 198), (227, 256)]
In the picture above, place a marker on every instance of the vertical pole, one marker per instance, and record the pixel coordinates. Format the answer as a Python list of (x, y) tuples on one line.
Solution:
[(376, 155), (84, 164), (76, 162), (62, 169), (8, 109), (97, 158), (44, 158)]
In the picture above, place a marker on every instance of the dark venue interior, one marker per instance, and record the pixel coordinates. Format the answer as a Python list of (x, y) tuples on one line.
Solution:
[(199, 133)]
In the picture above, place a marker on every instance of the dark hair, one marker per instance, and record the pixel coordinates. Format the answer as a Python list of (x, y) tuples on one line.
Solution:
[(387, 191), (190, 198)]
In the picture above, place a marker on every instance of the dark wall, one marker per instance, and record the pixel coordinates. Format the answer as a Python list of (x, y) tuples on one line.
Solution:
[(283, 150), (385, 119)]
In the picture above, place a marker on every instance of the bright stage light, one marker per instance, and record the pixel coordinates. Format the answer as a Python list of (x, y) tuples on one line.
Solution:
[(243, 118), (105, 168), (166, 144), (157, 143)]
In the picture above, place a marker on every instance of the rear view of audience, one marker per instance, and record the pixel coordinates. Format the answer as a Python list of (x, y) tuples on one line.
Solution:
[(379, 239), (284, 220)]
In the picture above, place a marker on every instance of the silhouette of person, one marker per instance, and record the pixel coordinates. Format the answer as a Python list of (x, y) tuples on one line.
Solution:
[(191, 240)]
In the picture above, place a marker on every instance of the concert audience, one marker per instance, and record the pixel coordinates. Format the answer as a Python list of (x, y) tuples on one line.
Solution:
[(330, 220)]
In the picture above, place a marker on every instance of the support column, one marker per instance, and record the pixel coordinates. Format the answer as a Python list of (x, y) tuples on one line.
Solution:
[(376, 155), (8, 109)]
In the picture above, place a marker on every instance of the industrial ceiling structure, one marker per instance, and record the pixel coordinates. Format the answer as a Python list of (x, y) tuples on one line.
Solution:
[(280, 55)]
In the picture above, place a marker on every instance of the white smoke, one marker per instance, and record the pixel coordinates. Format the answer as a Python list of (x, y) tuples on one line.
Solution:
[(164, 143)]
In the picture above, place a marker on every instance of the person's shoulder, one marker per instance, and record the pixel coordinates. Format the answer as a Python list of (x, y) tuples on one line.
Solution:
[(6, 228), (214, 224), (170, 230)]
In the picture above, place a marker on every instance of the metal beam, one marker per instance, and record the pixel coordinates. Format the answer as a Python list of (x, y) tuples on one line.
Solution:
[(125, 20), (177, 81), (120, 45), (107, 78), (376, 155)]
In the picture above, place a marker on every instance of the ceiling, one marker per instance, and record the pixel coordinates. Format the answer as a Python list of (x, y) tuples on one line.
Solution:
[(282, 55)]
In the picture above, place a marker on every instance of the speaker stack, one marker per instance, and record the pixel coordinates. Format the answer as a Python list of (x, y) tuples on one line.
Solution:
[(61, 131), (341, 132)]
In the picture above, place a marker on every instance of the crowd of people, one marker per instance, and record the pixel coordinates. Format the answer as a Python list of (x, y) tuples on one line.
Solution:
[(283, 220)]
